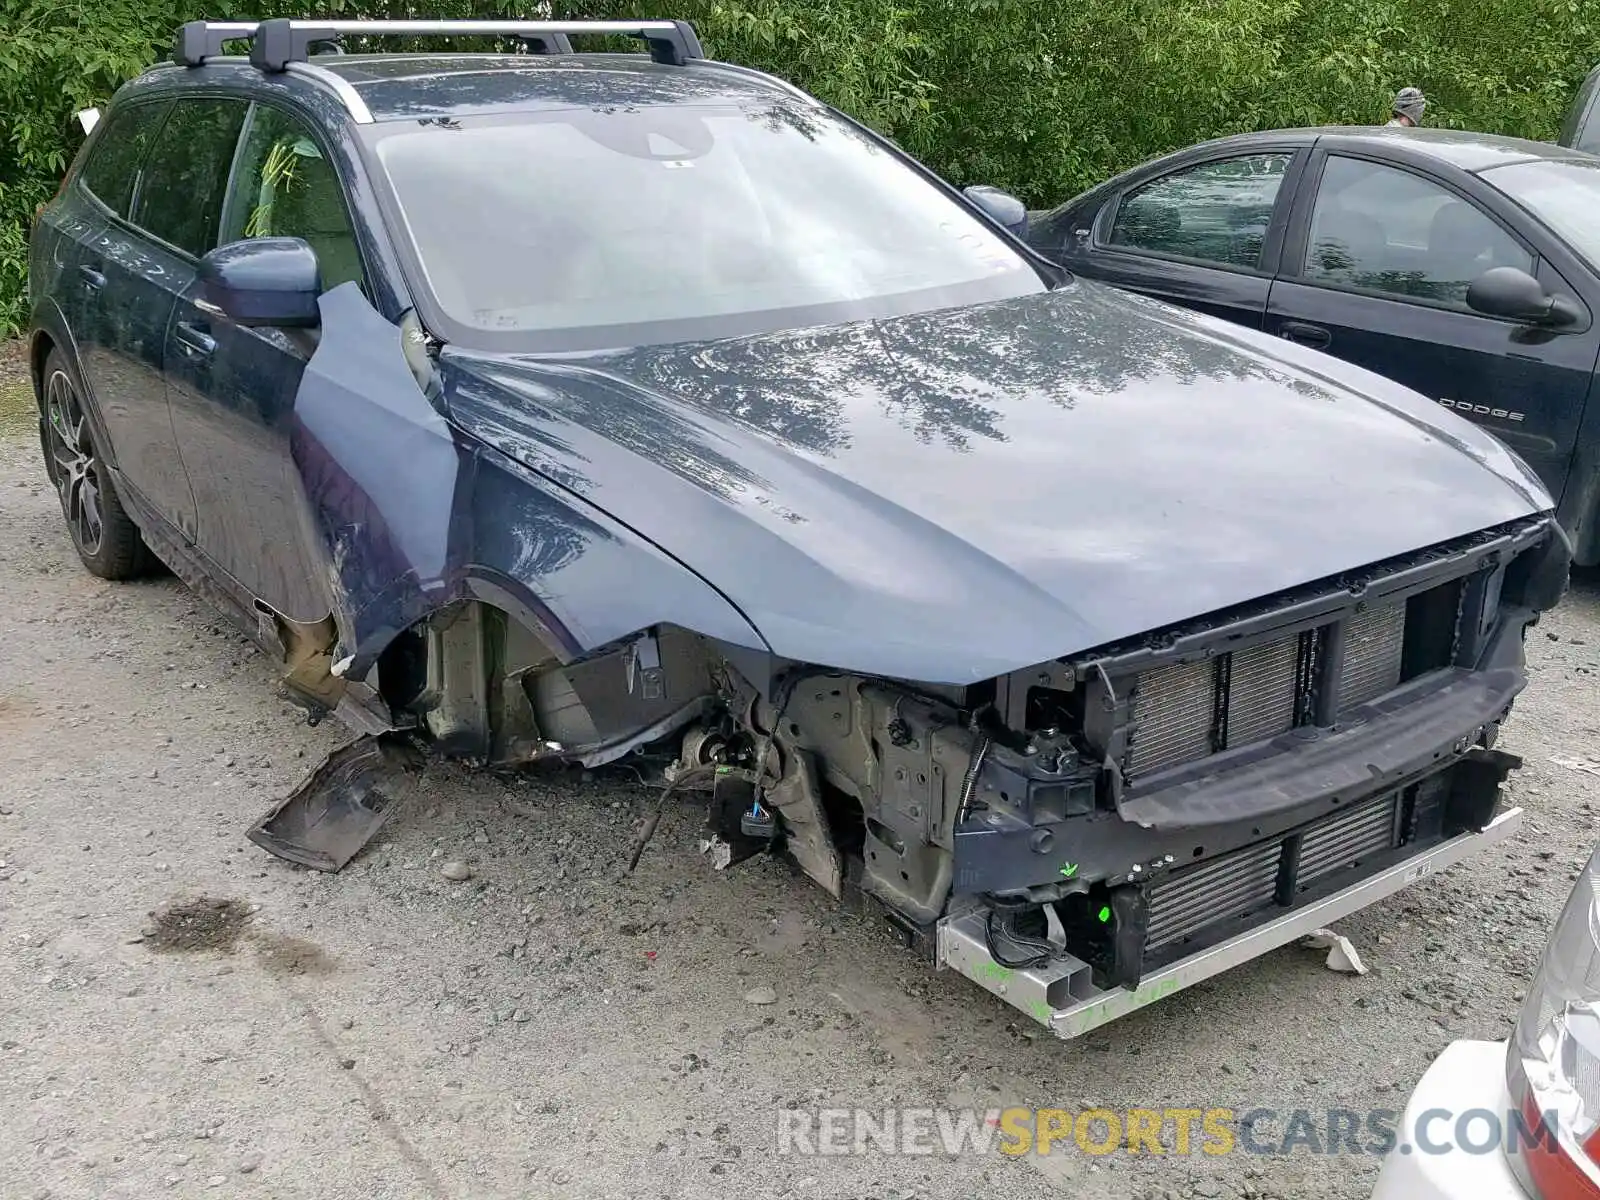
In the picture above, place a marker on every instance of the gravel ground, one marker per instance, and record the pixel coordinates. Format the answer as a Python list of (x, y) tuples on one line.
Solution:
[(542, 1030)]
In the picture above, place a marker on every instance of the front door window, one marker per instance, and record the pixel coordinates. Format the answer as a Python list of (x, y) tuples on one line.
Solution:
[(1378, 228), (1217, 212), (180, 193), (284, 186)]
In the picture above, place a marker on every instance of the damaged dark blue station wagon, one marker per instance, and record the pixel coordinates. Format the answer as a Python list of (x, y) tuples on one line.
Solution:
[(546, 405)]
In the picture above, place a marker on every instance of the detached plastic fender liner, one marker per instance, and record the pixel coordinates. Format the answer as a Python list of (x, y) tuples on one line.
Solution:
[(407, 514)]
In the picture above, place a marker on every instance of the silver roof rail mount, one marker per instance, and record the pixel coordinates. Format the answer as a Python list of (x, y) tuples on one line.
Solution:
[(276, 43)]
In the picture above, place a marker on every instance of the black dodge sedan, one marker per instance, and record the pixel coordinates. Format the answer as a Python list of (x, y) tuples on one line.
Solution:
[(1463, 265)]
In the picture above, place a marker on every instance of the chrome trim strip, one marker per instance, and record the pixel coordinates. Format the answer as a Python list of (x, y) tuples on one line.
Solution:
[(339, 85), (247, 29), (481, 28)]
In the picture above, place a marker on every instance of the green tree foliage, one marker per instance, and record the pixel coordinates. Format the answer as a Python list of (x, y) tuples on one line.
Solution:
[(1042, 98), (55, 59)]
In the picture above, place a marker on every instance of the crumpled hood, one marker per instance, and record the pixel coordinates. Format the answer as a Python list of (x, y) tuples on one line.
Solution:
[(952, 495)]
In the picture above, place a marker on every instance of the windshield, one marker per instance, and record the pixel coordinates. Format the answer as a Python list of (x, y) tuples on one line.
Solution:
[(1563, 193), (584, 229)]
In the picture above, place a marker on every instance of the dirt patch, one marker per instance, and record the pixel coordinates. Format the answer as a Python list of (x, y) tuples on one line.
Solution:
[(18, 413), (195, 925), (212, 923), (16, 712), (283, 955)]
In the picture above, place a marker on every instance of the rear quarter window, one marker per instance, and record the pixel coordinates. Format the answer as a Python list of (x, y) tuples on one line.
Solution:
[(111, 168), (1588, 132)]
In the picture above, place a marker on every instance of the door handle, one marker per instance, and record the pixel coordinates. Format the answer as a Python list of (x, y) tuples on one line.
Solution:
[(1315, 336), (194, 339), (93, 278)]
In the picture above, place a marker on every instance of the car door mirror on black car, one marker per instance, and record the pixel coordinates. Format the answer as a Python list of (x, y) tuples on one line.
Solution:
[(1003, 207), (1511, 292), (262, 281)]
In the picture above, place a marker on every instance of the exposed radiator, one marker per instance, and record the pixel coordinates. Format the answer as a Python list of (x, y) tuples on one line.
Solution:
[(1188, 711), (1174, 713), (1373, 641), (1234, 885), (1338, 844), (1246, 882), (1262, 690)]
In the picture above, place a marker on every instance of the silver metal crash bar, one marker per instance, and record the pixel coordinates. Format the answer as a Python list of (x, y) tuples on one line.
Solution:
[(1062, 997), (278, 42)]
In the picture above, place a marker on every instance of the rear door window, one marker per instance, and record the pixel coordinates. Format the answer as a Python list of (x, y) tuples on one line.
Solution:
[(112, 171), (1217, 212), (1383, 229), (185, 178)]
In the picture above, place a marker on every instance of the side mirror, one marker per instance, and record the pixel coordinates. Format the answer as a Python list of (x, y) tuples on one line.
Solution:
[(1512, 293), (262, 281), (1003, 207)]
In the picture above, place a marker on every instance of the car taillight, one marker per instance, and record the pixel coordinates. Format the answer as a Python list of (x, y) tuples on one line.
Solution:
[(1553, 1060)]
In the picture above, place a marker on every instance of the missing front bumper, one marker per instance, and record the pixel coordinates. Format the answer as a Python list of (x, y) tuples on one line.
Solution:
[(1063, 997)]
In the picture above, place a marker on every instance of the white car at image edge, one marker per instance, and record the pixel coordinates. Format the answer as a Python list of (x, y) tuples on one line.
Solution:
[(1517, 1120)]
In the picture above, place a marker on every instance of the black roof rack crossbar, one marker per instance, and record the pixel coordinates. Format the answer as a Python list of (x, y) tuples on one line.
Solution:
[(276, 43), (200, 40)]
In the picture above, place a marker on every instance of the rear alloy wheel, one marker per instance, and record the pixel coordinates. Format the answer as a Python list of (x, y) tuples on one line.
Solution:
[(105, 536)]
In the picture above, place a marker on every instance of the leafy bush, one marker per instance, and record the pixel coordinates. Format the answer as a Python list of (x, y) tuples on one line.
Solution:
[(1047, 99), (1042, 98), (54, 60)]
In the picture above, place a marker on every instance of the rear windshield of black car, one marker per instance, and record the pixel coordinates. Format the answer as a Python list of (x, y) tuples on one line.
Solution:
[(1563, 193), (597, 228)]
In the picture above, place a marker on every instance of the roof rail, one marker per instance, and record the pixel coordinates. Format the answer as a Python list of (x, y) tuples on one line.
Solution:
[(276, 43)]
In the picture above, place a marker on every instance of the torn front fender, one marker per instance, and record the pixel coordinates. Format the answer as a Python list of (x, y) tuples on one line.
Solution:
[(406, 514), (378, 463)]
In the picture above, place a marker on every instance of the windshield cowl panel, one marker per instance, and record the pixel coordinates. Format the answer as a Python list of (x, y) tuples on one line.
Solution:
[(584, 229)]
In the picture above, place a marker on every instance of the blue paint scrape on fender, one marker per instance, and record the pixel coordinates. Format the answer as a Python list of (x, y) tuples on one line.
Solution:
[(406, 514)]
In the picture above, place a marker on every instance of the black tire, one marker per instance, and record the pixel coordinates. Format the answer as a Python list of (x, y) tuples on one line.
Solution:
[(105, 537)]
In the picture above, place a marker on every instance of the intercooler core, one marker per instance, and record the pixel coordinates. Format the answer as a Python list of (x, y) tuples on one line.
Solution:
[(1257, 878), (1194, 905)]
